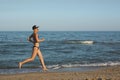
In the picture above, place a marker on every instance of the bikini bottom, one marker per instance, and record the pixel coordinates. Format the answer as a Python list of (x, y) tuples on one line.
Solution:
[(36, 47)]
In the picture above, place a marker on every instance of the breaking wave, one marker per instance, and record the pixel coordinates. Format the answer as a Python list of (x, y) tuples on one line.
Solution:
[(89, 42), (79, 41), (83, 65)]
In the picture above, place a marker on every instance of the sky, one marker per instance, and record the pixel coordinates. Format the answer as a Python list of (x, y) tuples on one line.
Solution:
[(60, 15)]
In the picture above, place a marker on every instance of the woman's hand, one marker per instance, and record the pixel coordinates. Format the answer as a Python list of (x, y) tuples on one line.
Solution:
[(28, 39), (42, 39)]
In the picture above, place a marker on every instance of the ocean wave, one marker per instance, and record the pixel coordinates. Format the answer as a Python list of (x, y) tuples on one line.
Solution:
[(59, 66), (79, 41), (89, 42), (83, 65), (27, 69)]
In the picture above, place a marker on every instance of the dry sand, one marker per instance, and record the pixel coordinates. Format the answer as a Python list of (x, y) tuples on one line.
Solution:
[(109, 73)]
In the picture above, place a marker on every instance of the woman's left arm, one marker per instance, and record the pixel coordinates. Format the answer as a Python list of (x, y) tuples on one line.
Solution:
[(39, 40)]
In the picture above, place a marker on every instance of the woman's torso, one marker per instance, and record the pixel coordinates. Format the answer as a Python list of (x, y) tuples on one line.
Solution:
[(35, 41)]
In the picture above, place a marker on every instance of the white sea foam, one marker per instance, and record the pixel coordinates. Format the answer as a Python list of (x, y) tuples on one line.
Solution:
[(54, 66), (79, 41), (83, 65)]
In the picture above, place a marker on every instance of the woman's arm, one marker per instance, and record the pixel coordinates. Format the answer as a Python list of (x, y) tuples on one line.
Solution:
[(38, 40), (30, 38)]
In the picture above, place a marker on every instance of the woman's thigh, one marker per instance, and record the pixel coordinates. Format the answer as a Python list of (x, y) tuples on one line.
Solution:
[(34, 52), (39, 54)]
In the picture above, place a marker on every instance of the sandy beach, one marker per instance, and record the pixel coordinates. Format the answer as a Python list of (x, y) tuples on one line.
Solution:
[(108, 73)]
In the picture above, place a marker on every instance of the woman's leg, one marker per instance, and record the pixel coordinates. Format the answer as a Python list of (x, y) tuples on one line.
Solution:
[(34, 53), (41, 60)]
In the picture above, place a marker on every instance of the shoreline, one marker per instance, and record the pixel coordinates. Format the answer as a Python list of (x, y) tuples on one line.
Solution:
[(54, 69), (106, 73)]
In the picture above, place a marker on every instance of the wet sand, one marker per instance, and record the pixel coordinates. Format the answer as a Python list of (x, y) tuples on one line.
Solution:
[(108, 73)]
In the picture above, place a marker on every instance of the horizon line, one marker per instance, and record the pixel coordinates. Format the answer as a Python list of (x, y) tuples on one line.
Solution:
[(59, 30)]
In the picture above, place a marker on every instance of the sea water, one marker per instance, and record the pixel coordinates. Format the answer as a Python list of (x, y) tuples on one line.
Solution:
[(62, 50)]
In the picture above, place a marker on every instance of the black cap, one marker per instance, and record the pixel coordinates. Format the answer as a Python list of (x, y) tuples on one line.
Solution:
[(34, 27)]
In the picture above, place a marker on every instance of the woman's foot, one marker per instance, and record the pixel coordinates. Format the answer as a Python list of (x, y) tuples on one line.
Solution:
[(45, 69), (20, 65)]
